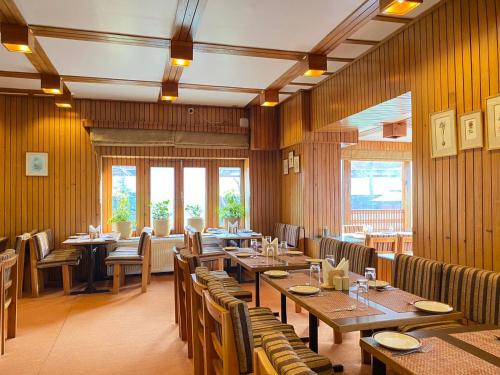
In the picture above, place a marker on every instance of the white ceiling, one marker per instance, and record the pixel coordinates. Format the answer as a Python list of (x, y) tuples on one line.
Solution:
[(144, 17), (114, 92), (271, 23), (295, 88), (376, 30), (349, 51), (20, 83), (204, 97), (15, 62)]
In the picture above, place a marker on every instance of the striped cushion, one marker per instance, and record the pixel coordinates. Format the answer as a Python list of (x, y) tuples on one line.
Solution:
[(473, 291), (418, 276), (282, 356), (359, 256), (7, 254), (43, 244), (142, 238), (60, 257), (329, 246), (279, 231), (291, 235), (204, 276), (191, 258)]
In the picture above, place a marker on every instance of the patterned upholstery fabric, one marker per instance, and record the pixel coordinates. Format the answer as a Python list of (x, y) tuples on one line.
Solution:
[(417, 275), (60, 257), (204, 276), (43, 244), (279, 231), (291, 235), (19, 241), (473, 291), (123, 257), (5, 255), (359, 256), (192, 259), (142, 238), (282, 356), (329, 246)]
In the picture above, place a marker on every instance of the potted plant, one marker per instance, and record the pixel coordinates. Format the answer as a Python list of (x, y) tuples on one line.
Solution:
[(231, 208), (161, 218), (121, 218), (195, 220)]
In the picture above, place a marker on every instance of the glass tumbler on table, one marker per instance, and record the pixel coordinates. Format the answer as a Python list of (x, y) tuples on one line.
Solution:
[(283, 247), (371, 274), (330, 259), (315, 275), (362, 290), (254, 245)]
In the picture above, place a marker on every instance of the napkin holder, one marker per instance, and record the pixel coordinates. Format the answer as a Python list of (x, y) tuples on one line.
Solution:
[(331, 276)]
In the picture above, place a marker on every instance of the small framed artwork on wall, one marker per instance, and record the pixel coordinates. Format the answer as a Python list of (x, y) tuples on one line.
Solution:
[(443, 134), (37, 164), (290, 159), (285, 166), (296, 164), (493, 122), (471, 130)]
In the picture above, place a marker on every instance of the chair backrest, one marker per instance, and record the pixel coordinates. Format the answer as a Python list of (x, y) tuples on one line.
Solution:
[(418, 276), (352, 228), (8, 276), (144, 240), (291, 235), (43, 243), (196, 244), (279, 231), (359, 256), (193, 260), (405, 243), (329, 246), (474, 292), (3, 243), (233, 318), (382, 242)]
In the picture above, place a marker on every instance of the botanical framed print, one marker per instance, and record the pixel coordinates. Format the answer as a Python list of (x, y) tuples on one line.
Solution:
[(471, 130), (443, 134), (296, 164), (285, 166), (493, 122), (290, 159), (37, 164)]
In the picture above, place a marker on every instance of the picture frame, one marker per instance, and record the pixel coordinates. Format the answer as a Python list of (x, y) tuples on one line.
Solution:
[(443, 134), (471, 130), (290, 159), (285, 166), (493, 122), (296, 164), (37, 164)]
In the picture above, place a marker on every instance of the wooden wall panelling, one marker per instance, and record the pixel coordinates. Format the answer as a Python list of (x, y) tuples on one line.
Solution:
[(264, 128), (450, 60), (292, 189)]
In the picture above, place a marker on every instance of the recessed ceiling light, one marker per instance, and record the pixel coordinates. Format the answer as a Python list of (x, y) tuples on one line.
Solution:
[(51, 84), (181, 53), (169, 91), (398, 7), (17, 38), (316, 65), (269, 98), (65, 100)]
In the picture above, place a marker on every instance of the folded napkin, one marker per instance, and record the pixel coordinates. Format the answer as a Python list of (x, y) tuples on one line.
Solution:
[(343, 266), (93, 229), (233, 227), (273, 243), (329, 272)]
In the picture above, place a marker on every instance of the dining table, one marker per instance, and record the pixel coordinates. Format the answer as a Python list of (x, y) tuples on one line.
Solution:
[(258, 263), (240, 236), (345, 311), (91, 246), (472, 349)]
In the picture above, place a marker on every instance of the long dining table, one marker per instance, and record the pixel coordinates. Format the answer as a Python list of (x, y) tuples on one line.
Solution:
[(344, 312)]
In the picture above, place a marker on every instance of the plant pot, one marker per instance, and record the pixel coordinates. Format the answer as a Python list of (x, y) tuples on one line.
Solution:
[(161, 227), (124, 228), (197, 223), (231, 220)]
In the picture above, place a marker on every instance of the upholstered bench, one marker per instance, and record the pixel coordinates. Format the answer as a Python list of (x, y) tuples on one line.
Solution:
[(204, 276)]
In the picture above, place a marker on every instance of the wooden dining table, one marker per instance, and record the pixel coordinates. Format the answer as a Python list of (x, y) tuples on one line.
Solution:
[(257, 265), (474, 347), (382, 309), (91, 245)]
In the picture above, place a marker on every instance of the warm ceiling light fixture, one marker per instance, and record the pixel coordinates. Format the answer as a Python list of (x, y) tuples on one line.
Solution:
[(316, 65), (51, 84), (398, 7), (169, 91), (181, 53), (65, 100), (269, 98), (17, 38)]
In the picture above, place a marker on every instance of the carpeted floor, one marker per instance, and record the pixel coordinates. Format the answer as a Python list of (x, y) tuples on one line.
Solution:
[(130, 333)]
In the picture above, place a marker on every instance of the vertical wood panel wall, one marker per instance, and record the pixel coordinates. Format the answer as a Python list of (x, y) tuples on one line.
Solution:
[(447, 59)]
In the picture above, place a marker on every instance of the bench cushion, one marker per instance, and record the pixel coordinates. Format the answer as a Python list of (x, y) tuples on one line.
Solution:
[(291, 235), (204, 276), (123, 257), (359, 256), (60, 257), (329, 246), (279, 231), (43, 244)]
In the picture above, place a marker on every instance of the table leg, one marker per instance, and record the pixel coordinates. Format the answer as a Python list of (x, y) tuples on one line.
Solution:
[(238, 273), (90, 274), (257, 289), (313, 333), (366, 357), (378, 367), (283, 309)]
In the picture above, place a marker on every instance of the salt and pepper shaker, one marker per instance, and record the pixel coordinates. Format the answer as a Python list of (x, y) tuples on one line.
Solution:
[(337, 283), (345, 283)]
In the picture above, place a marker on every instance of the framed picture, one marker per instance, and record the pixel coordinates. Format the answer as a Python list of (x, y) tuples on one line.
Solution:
[(443, 134), (493, 122), (285, 166), (290, 159), (296, 164), (471, 130), (37, 164)]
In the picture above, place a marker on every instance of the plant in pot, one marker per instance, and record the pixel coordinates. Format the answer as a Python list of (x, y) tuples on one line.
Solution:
[(161, 218), (231, 209), (195, 220), (121, 218)]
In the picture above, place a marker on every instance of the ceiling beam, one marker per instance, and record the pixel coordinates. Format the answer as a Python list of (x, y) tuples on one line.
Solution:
[(383, 18), (340, 59), (361, 42)]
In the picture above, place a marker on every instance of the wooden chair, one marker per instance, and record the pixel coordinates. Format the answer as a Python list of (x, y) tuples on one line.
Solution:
[(8, 297), (197, 325), (184, 295), (352, 228), (213, 257), (262, 364), (3, 243), (405, 243), (22, 244), (43, 255), (140, 256), (287, 232), (382, 243)]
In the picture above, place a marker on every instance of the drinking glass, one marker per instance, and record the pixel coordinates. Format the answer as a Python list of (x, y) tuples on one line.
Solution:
[(254, 245), (370, 274), (331, 260), (283, 247), (362, 290), (269, 252), (268, 238), (315, 275)]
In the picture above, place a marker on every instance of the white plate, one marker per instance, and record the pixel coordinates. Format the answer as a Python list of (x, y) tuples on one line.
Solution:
[(433, 307), (304, 289), (314, 260), (396, 341), (276, 273), (230, 248), (243, 255), (328, 287), (377, 284), (73, 237), (294, 252)]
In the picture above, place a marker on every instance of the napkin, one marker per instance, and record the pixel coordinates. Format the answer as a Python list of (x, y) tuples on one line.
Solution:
[(327, 273), (94, 231), (273, 243), (343, 266), (233, 227)]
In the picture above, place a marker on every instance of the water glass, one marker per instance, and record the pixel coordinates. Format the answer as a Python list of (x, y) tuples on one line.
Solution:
[(268, 239), (362, 289), (331, 260), (254, 245), (370, 274), (283, 247), (315, 275)]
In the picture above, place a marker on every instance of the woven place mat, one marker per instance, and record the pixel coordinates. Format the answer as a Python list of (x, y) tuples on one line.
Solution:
[(484, 340), (443, 358), (396, 300), (295, 259), (261, 261)]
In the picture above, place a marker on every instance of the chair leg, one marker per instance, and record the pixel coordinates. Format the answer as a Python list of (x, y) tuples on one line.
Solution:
[(122, 277), (2, 327), (149, 273), (144, 277), (34, 282), (298, 309), (66, 279), (41, 281), (117, 269), (337, 337)]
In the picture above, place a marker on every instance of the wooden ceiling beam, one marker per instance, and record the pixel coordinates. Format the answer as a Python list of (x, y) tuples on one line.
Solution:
[(384, 18), (361, 42), (340, 59)]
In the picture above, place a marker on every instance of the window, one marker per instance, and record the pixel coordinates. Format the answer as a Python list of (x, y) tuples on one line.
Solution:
[(376, 185), (163, 188), (123, 183), (229, 185), (195, 190)]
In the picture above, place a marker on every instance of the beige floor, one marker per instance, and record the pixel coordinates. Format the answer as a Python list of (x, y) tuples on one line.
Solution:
[(130, 333)]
